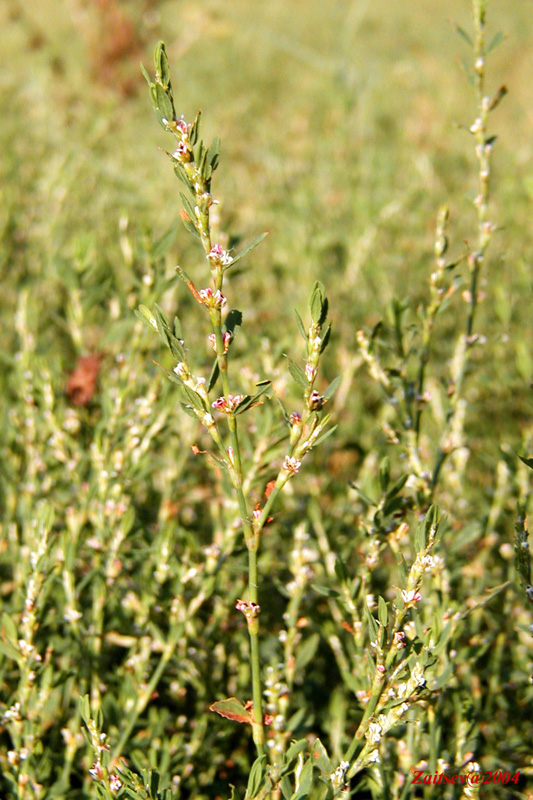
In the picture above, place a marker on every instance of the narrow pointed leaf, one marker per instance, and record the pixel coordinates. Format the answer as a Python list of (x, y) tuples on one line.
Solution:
[(320, 757), (324, 436), (306, 652), (332, 388), (383, 613), (495, 42), (300, 325), (297, 373), (247, 250), (167, 240), (213, 377), (257, 773), (464, 35)]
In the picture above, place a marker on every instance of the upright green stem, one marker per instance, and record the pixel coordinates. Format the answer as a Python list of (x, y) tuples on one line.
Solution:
[(485, 227), (250, 536)]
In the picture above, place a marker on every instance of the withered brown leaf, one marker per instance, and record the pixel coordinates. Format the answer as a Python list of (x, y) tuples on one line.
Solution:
[(81, 384)]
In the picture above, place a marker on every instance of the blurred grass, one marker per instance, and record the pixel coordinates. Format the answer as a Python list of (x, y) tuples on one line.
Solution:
[(339, 124)]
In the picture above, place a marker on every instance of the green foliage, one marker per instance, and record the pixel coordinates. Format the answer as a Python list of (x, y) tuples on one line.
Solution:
[(386, 619)]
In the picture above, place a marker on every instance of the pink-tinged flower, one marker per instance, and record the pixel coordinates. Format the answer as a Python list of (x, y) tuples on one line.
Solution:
[(381, 669), (316, 401), (295, 418), (96, 771), (212, 299), (399, 640), (182, 126), (227, 405), (291, 465), (217, 255), (411, 597), (226, 339), (310, 372), (256, 513), (248, 608), (181, 153)]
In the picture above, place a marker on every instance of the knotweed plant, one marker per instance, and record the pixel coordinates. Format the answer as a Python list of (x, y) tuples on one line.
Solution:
[(194, 164)]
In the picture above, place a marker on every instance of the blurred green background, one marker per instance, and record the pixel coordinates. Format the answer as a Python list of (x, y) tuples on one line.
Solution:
[(343, 130)]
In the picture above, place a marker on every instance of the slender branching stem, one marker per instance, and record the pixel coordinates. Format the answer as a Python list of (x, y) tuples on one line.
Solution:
[(485, 229)]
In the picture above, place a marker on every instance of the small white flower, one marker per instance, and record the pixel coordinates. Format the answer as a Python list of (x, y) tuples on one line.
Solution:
[(115, 783), (310, 372), (417, 674), (291, 465), (373, 733), (181, 369), (411, 597), (71, 614)]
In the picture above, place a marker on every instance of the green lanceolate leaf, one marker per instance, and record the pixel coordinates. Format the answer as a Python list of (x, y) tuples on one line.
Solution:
[(257, 773), (194, 399), (163, 105), (464, 35), (162, 69), (306, 652), (143, 313), (383, 613), (300, 325), (247, 250), (318, 304), (146, 75), (495, 42), (214, 153), (364, 497), (188, 207), (167, 240), (195, 129), (324, 436), (297, 373), (384, 473), (295, 749), (332, 388), (251, 400), (321, 759), (372, 624), (189, 411), (305, 783), (189, 224), (213, 377), (325, 339)]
